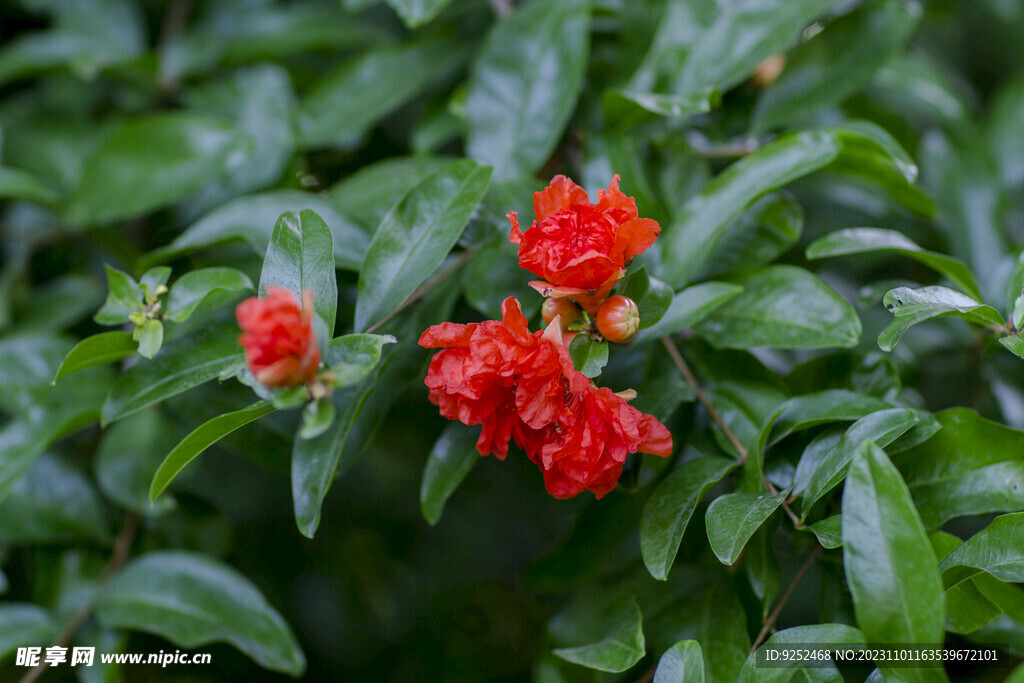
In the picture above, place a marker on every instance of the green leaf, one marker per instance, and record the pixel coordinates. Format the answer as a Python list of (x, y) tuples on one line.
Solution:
[(782, 307), (184, 363), (123, 298), (624, 109), (415, 236), (52, 502), (911, 306), (25, 625), (967, 608), (150, 336), (252, 219), (149, 162), (652, 297), (18, 184), (524, 85), (996, 549), (681, 663), (972, 466), (452, 457), (372, 191), (349, 100), (668, 511), (99, 349), (890, 565), (814, 478), (416, 13), (829, 531), (497, 266), (189, 291), (837, 62), (616, 629), (588, 356), (316, 419), (688, 308), (301, 257), (733, 518), (864, 240), (201, 438), (354, 356), (691, 238), (756, 670), (821, 407), (742, 36), (127, 457), (192, 600), (1014, 344)]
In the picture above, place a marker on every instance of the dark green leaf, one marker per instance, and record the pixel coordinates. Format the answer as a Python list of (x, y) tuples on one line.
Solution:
[(967, 608), (253, 218), (123, 298), (767, 229), (1015, 345), (996, 549), (183, 364), (693, 235), (25, 625), (301, 257), (782, 307), (890, 565), (524, 85), (652, 297), (681, 663), (99, 349), (415, 236), (755, 671), (832, 405), (452, 457), (193, 287), (201, 438), (814, 478), (616, 629), (193, 600), (372, 191), (837, 62), (316, 419), (497, 266), (670, 507), (415, 13), (911, 306), (624, 109), (733, 518), (588, 356), (127, 457), (689, 307), (862, 240), (149, 162)]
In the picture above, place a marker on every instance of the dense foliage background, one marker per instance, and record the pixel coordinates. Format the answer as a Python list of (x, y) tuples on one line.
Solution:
[(142, 134)]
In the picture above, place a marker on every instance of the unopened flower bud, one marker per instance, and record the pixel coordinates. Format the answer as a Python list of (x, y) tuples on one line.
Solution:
[(618, 319), (564, 307)]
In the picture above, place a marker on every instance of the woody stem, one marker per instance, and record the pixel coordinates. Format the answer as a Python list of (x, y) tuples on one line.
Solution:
[(425, 288)]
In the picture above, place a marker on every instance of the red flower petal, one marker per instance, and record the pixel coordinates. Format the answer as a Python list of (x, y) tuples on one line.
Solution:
[(560, 195)]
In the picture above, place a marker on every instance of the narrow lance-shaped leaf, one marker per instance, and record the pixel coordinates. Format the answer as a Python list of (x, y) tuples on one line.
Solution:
[(616, 629), (733, 518), (415, 236), (688, 308), (996, 549), (99, 349), (201, 438), (452, 457)]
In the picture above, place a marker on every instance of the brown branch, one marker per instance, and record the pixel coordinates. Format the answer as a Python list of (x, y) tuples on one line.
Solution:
[(118, 556), (425, 288), (770, 621)]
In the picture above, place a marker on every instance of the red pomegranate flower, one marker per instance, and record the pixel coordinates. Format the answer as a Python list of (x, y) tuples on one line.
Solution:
[(280, 347), (581, 249)]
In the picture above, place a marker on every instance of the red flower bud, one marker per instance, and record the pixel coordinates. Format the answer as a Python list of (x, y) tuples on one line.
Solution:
[(280, 347), (563, 307), (618, 319)]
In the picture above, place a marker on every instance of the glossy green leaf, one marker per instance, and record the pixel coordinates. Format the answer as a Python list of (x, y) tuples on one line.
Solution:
[(911, 306), (782, 307), (452, 457), (837, 62), (182, 364), (201, 438), (52, 503), (616, 627), (814, 478), (25, 625), (415, 236), (497, 266), (733, 518), (150, 336), (317, 417), (372, 191), (689, 307), (346, 102), (127, 457), (189, 291), (692, 237), (829, 531), (416, 13), (193, 600), (524, 85), (652, 297), (352, 357), (996, 549), (99, 349), (755, 671), (681, 663), (863, 240), (252, 219), (668, 511), (151, 161), (1014, 344), (821, 407), (300, 257), (967, 608), (624, 109), (890, 565), (588, 356), (123, 298)]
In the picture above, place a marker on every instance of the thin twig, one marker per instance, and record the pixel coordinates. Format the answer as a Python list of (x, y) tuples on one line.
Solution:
[(770, 621), (785, 506), (118, 556), (425, 288)]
